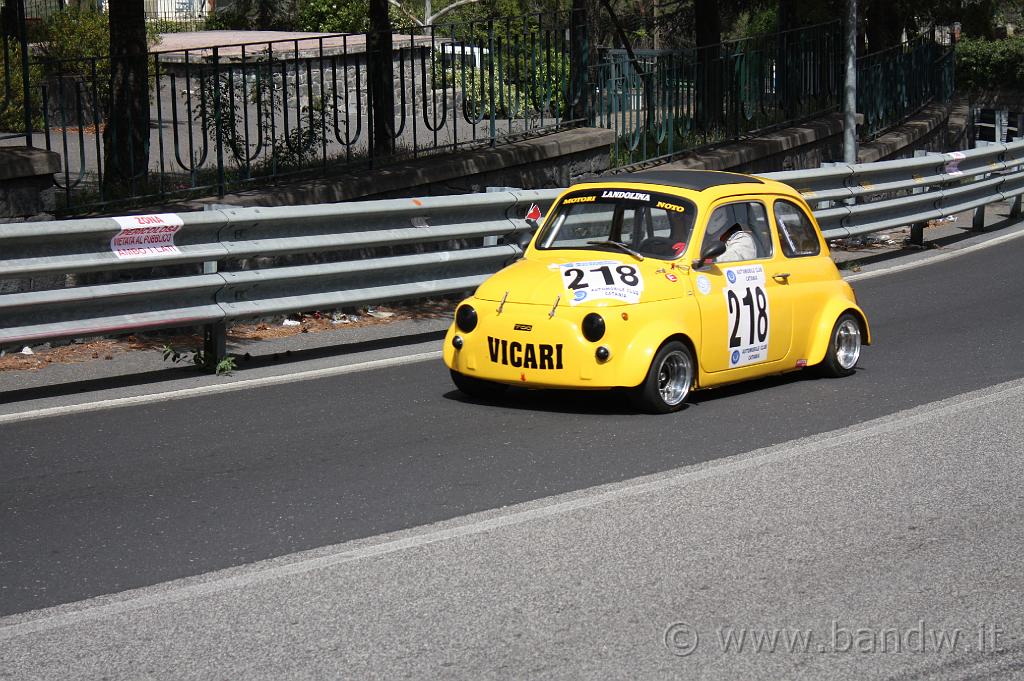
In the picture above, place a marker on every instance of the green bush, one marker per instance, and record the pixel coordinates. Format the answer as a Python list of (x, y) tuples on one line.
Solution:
[(76, 33), (12, 104), (154, 27), (514, 96), (252, 15), (344, 16), (75, 50), (990, 64)]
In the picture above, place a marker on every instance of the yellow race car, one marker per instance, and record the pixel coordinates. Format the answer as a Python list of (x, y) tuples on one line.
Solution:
[(661, 282)]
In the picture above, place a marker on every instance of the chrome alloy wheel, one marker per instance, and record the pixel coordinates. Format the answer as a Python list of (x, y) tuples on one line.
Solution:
[(847, 340), (675, 376)]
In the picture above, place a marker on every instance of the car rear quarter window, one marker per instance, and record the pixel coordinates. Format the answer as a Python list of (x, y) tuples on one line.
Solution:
[(797, 233)]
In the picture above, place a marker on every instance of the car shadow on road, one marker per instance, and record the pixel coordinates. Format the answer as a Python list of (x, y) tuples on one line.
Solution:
[(616, 403)]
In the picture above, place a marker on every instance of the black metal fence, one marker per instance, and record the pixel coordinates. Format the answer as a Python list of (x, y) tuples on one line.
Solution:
[(666, 102), (894, 83), (226, 117), (229, 117)]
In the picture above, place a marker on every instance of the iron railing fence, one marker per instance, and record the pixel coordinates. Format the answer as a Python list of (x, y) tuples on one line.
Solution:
[(894, 83), (668, 102), (230, 117), (227, 117)]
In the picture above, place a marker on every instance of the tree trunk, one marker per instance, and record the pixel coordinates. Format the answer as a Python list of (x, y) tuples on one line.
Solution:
[(884, 25), (126, 137), (787, 57), (708, 34), (582, 57), (707, 24), (379, 65)]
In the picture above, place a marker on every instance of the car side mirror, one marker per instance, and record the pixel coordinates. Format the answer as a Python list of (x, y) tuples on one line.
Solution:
[(522, 239), (708, 253)]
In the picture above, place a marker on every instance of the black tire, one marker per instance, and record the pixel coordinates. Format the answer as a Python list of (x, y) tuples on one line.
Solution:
[(478, 387), (844, 346), (668, 382)]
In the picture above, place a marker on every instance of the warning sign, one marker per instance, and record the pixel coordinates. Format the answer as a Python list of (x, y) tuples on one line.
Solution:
[(144, 236), (953, 165)]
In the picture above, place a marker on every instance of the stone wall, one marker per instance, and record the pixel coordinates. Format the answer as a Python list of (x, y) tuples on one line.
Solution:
[(548, 161), (940, 127), (26, 184)]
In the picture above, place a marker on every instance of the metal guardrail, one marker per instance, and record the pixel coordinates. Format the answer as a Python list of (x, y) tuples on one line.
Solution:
[(850, 200), (181, 284), (53, 250)]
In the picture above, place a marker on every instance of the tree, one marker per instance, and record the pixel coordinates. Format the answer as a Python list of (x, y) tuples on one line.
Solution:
[(582, 32), (707, 22), (126, 137), (380, 74), (430, 17)]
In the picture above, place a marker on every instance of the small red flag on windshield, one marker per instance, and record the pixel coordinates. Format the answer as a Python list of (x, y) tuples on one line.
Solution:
[(534, 213)]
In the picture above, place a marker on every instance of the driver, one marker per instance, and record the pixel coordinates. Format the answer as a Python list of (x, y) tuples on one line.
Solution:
[(739, 245)]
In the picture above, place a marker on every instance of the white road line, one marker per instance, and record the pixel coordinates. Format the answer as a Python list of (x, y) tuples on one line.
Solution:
[(218, 388), (941, 257), (317, 559)]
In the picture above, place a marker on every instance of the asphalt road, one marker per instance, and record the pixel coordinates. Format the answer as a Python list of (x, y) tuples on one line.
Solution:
[(889, 550), (102, 502)]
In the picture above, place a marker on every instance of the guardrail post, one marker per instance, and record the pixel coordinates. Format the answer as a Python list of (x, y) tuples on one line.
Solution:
[(917, 234), (979, 219), (1015, 205), (215, 335), (215, 342)]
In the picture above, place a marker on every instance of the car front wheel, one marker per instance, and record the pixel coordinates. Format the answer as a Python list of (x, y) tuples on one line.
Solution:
[(843, 348), (668, 380)]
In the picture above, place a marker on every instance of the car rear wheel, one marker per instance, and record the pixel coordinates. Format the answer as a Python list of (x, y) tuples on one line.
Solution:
[(668, 381), (843, 348), (478, 387)]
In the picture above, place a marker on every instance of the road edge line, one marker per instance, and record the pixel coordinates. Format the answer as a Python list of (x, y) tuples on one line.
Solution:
[(939, 257)]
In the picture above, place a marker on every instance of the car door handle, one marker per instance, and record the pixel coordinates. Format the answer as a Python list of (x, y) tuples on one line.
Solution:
[(781, 277)]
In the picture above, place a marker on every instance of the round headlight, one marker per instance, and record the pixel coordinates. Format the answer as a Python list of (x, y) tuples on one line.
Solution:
[(593, 327), (465, 318)]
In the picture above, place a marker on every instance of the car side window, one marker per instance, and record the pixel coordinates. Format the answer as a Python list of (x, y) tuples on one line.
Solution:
[(797, 234), (752, 218)]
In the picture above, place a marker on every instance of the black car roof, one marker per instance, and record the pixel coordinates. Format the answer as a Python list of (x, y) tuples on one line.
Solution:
[(696, 180)]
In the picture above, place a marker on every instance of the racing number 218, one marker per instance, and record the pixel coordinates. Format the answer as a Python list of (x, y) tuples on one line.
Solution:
[(756, 305), (627, 275)]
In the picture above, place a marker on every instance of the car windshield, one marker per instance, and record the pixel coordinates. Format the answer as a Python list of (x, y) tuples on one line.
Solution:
[(650, 224)]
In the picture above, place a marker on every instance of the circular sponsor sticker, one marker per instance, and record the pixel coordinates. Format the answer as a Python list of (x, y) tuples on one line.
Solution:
[(703, 284), (731, 276), (735, 356), (579, 295)]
